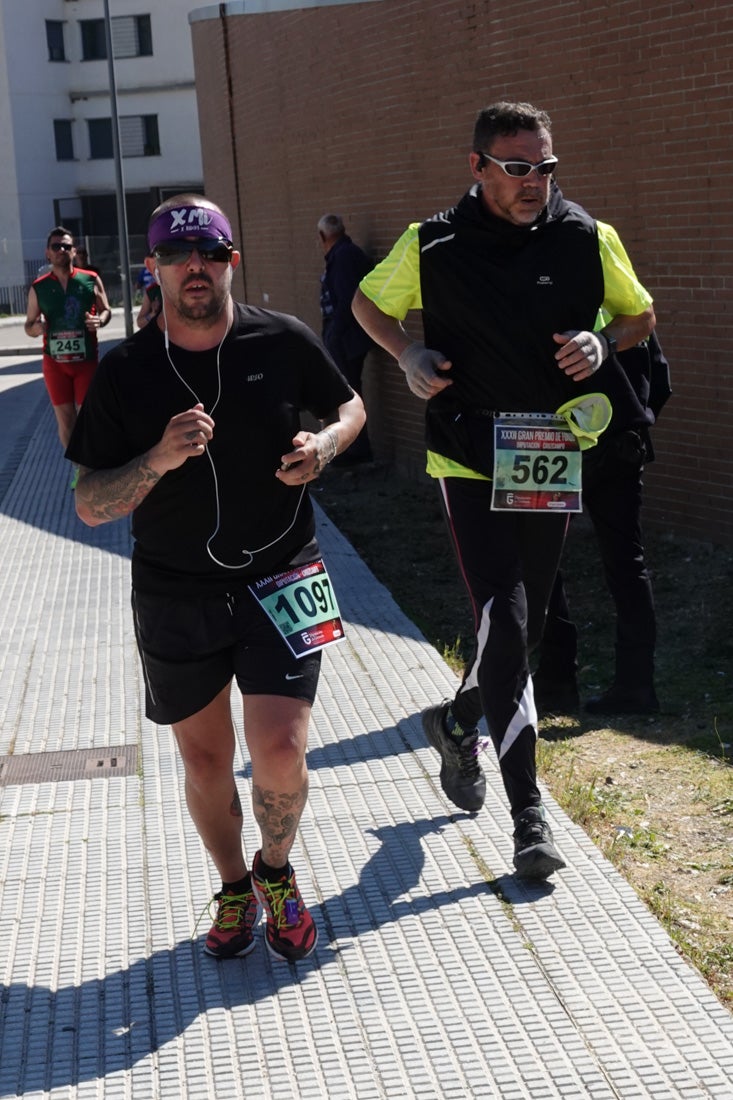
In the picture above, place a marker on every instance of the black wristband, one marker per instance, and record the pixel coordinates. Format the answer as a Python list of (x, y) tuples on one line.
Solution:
[(611, 345)]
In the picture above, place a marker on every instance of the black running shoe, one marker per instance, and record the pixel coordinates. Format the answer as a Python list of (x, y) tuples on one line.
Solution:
[(461, 776), (535, 854)]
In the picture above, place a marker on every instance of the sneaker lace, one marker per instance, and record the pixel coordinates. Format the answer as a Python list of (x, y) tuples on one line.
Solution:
[(282, 900), (467, 754), (532, 830), (230, 913)]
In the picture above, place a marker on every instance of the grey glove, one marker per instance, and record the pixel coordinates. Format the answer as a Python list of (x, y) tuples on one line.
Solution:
[(592, 347), (420, 365)]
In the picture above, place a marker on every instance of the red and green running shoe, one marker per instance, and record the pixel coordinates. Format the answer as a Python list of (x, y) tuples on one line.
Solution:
[(290, 933), (232, 933)]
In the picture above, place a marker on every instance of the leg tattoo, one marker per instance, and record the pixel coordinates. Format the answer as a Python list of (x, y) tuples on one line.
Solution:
[(278, 816)]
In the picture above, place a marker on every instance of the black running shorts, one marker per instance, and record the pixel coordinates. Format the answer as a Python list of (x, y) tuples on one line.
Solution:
[(191, 648)]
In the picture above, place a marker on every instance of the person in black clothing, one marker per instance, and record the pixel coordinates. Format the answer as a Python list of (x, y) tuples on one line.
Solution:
[(514, 284), (150, 305), (82, 257), (346, 264), (612, 497), (193, 426)]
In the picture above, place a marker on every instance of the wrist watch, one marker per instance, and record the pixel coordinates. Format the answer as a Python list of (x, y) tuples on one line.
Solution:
[(610, 343)]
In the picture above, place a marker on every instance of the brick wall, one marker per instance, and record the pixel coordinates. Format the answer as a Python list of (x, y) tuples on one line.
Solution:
[(367, 109)]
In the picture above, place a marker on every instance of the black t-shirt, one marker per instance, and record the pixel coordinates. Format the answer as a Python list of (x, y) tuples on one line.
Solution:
[(270, 367)]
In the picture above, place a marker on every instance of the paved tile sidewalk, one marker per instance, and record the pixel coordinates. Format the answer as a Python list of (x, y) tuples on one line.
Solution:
[(437, 975)]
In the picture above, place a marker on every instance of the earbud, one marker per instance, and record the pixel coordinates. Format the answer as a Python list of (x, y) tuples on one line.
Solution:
[(157, 274)]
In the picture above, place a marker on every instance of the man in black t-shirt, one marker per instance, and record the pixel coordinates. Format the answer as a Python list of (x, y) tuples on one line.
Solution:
[(193, 427)]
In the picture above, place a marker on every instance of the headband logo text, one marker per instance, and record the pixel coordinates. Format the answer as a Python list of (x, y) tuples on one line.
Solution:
[(198, 218)]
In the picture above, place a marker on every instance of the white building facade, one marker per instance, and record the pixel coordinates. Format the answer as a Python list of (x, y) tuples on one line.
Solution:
[(56, 128)]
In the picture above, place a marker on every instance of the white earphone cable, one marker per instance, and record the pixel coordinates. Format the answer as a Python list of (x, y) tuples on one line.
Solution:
[(249, 553)]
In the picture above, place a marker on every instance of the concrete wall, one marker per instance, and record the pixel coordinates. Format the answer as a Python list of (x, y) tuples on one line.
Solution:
[(367, 109)]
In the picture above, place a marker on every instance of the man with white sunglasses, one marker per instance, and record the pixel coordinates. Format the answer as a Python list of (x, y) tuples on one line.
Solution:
[(525, 300)]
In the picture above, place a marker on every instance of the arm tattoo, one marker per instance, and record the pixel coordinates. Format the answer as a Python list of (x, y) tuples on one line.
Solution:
[(112, 494), (236, 807)]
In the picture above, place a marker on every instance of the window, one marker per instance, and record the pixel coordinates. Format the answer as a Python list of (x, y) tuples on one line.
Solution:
[(93, 40), (55, 40), (138, 137), (131, 37), (100, 138), (63, 138)]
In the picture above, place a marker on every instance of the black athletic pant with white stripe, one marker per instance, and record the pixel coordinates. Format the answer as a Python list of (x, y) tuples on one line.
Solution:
[(508, 562)]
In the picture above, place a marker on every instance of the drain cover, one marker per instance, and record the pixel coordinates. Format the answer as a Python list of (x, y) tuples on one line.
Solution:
[(57, 767)]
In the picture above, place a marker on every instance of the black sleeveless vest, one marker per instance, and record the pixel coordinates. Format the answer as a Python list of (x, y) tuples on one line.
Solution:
[(493, 294)]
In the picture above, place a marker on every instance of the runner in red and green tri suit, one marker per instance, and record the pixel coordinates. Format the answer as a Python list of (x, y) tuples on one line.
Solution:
[(67, 306)]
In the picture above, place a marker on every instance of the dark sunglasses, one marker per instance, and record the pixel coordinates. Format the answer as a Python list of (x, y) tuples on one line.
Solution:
[(60, 246), (523, 167), (180, 252)]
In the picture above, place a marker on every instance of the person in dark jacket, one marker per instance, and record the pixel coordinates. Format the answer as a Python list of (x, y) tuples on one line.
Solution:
[(345, 339), (612, 498), (525, 301)]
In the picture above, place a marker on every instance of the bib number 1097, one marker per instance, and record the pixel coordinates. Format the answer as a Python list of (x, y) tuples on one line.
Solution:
[(302, 605)]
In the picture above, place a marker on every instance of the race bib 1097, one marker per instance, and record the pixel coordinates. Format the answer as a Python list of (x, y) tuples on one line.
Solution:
[(302, 605)]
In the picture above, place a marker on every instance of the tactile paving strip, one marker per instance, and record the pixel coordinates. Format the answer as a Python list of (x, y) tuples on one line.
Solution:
[(437, 974)]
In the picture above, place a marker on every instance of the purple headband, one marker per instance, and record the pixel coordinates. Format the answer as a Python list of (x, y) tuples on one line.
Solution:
[(189, 221)]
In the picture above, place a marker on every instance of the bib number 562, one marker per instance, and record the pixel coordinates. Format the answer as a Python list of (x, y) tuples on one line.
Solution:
[(540, 469)]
